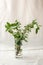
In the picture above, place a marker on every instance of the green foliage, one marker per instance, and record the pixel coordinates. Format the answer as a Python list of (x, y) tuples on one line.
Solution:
[(28, 27), (21, 34)]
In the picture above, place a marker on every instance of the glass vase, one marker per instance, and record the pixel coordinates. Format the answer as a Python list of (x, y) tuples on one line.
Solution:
[(18, 49)]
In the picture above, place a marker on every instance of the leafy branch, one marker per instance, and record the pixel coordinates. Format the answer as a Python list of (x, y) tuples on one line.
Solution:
[(21, 34)]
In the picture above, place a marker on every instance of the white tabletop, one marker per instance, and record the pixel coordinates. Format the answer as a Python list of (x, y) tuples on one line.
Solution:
[(29, 57)]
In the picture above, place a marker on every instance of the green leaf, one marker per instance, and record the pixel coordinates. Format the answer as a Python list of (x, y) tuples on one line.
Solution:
[(37, 30)]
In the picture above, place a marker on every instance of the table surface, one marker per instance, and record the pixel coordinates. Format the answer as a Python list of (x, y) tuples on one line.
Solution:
[(29, 57)]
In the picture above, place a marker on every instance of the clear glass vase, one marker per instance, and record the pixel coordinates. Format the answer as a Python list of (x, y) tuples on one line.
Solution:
[(18, 49)]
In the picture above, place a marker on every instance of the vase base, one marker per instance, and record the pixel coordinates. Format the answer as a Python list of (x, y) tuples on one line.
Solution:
[(18, 56)]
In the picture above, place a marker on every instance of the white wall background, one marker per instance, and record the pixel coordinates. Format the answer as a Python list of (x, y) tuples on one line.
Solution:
[(25, 11)]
